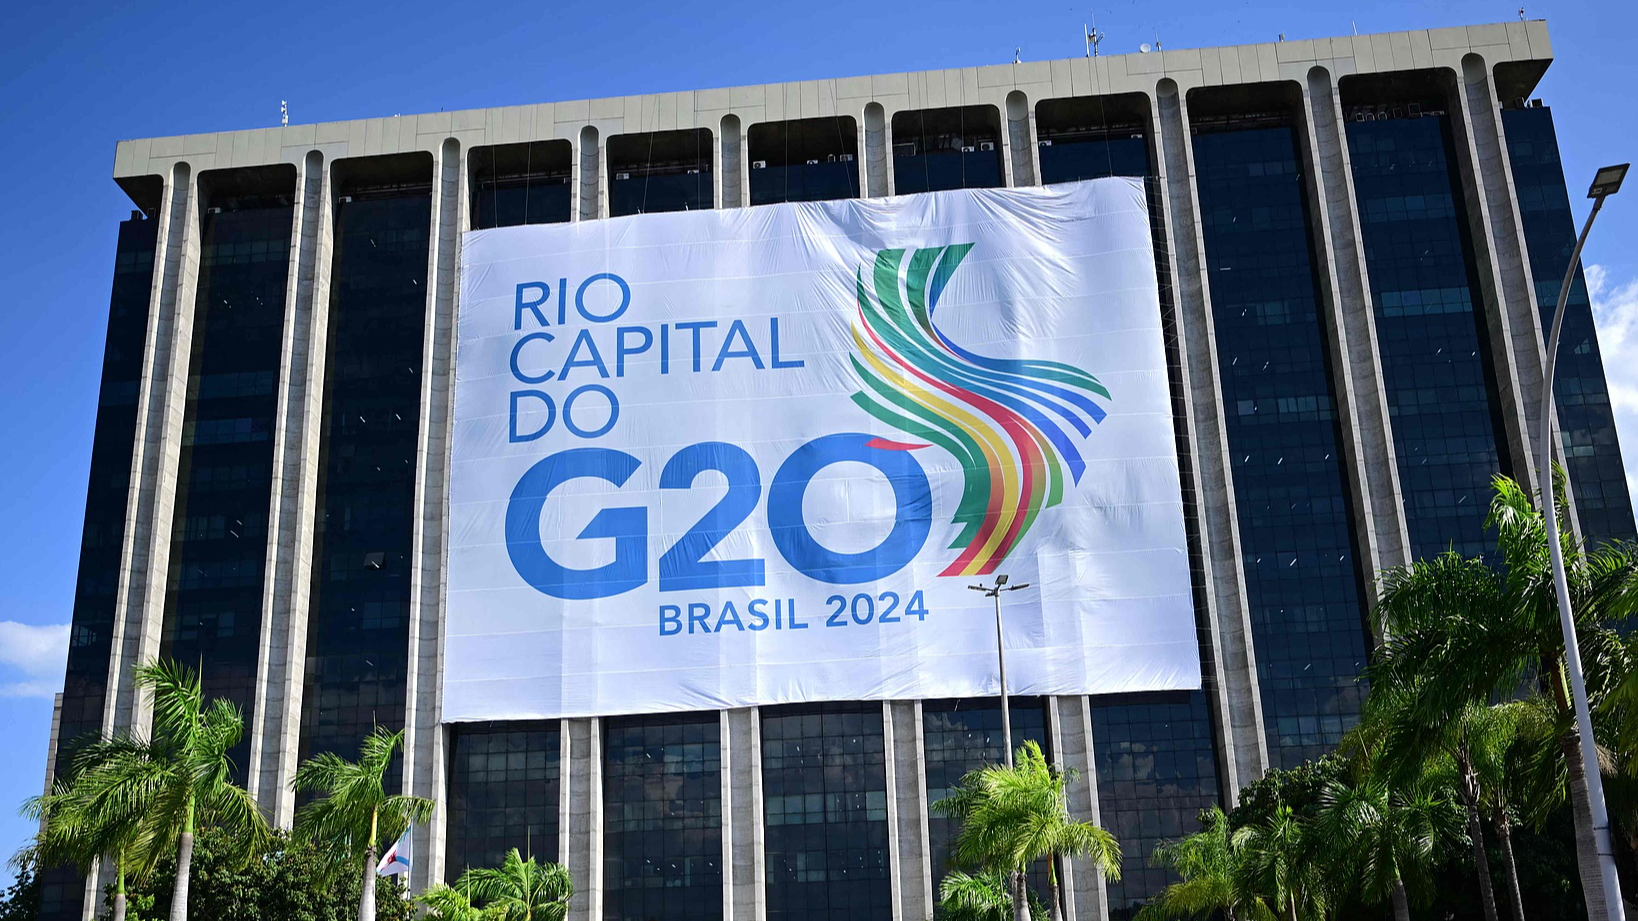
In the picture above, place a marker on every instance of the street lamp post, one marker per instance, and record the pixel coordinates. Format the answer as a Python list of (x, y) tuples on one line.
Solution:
[(1605, 183), (1001, 655)]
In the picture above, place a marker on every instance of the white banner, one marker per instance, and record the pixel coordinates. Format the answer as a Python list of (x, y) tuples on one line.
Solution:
[(754, 456)]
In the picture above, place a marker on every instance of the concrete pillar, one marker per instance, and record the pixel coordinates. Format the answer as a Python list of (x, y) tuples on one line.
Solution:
[(275, 720), (424, 739), (1516, 348), (580, 826), (139, 611), (1069, 725), (1350, 325), (1020, 134), (730, 164), (589, 187), (1228, 614), (907, 810), (744, 861), (877, 152)]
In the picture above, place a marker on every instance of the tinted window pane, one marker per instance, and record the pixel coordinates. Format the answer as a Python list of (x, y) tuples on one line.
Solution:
[(1430, 325), (661, 171), (503, 794), (938, 149), (809, 159), (824, 781), (1296, 534), (1580, 392), (358, 628), (515, 184), (662, 818)]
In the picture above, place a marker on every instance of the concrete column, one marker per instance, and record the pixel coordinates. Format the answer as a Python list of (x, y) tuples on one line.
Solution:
[(139, 610), (423, 739), (744, 861), (730, 164), (275, 720), (1350, 325), (1228, 615), (1020, 134), (1516, 348), (1069, 724), (580, 818), (877, 152), (907, 810), (589, 187)]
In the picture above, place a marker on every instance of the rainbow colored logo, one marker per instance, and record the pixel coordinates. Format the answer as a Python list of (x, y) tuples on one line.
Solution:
[(1000, 417)]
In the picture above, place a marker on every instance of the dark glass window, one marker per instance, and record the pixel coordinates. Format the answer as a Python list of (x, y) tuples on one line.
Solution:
[(112, 442), (824, 780), (1154, 753), (1580, 392), (1157, 769), (959, 736), (1296, 534), (955, 148), (662, 818), (660, 171), (213, 602), (811, 159), (358, 628), (503, 793), (516, 184), (1430, 323)]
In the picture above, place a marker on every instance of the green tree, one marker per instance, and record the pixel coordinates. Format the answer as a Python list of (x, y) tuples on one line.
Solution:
[(1212, 880), (1464, 632), (179, 781), (982, 896), (81, 823), (519, 889), (1381, 842), (446, 903), (355, 813), (21, 900), (1276, 860), (1011, 817)]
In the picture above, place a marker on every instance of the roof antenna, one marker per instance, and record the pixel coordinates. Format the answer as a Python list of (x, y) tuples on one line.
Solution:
[(1521, 14), (1017, 53), (1157, 40), (1093, 36), (284, 113)]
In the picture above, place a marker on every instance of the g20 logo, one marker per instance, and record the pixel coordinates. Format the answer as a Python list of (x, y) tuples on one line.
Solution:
[(683, 565)]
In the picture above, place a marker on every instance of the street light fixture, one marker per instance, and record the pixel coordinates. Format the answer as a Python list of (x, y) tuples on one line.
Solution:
[(1001, 655), (1606, 182)]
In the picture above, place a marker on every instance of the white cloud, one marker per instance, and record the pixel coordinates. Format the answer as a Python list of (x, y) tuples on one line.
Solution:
[(1615, 311), (32, 658)]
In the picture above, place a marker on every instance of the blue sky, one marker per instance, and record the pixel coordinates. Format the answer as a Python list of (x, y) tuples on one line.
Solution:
[(76, 76)]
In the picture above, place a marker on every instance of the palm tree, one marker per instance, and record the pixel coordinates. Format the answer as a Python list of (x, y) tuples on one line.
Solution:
[(1012, 817), (179, 780), (1382, 839), (1211, 876), (1276, 860), (356, 813), (983, 896), (445, 903), (520, 889), (1466, 632), (78, 830)]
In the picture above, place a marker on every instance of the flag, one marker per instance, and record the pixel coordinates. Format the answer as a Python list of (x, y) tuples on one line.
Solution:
[(397, 858)]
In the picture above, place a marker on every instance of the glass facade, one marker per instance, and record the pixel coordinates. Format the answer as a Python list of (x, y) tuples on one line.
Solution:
[(1430, 323), (1296, 533), (503, 793), (518, 184), (213, 601), (938, 149), (1580, 391), (358, 621), (1154, 755), (101, 542), (662, 818), (811, 159), (661, 171), (959, 736), (824, 782), (1157, 769)]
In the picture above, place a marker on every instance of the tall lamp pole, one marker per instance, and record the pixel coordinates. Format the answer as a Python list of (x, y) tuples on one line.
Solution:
[(1605, 183), (1001, 655)]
